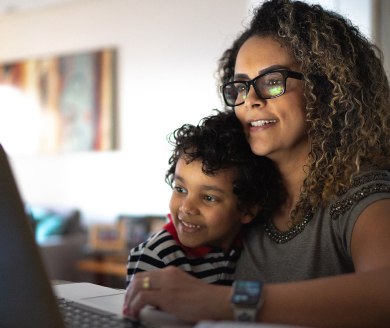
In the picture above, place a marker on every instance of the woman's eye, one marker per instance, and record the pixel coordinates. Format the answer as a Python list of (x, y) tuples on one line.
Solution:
[(241, 88), (274, 82)]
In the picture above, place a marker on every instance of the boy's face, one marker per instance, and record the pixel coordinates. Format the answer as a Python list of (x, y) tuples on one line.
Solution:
[(204, 208)]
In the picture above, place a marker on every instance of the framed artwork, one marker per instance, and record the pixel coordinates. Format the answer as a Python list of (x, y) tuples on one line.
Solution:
[(76, 97), (107, 237)]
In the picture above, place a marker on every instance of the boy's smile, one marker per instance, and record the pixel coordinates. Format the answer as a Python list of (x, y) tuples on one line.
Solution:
[(204, 208), (190, 225)]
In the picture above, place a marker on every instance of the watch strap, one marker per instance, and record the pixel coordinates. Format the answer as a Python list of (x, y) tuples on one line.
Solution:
[(245, 314)]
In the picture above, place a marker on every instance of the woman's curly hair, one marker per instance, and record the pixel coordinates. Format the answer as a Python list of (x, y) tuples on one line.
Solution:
[(218, 141), (347, 94)]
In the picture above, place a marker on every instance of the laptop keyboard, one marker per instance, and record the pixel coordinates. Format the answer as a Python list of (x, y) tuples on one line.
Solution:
[(77, 316)]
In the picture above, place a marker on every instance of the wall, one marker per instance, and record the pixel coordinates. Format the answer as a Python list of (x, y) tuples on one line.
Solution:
[(381, 28), (168, 52), (358, 11)]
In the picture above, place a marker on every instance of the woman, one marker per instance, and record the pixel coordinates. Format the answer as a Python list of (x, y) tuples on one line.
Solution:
[(312, 96)]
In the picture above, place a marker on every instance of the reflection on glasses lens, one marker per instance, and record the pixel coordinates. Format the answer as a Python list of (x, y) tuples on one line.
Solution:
[(275, 91), (235, 93), (267, 86), (270, 85), (230, 93)]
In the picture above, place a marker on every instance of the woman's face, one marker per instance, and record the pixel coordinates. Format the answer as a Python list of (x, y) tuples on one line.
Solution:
[(275, 128)]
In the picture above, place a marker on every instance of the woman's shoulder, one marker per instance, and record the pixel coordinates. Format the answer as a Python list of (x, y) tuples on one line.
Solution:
[(367, 187)]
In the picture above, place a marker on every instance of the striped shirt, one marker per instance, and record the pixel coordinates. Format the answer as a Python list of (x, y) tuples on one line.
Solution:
[(162, 250)]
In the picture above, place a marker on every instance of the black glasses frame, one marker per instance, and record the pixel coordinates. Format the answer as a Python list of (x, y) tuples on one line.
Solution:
[(285, 74)]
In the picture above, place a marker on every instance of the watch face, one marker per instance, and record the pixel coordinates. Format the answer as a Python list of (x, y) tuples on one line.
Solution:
[(247, 293)]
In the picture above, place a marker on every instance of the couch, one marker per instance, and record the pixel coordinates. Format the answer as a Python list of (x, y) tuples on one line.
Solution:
[(61, 238)]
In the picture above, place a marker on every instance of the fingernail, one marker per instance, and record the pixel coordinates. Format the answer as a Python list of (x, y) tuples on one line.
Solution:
[(127, 312)]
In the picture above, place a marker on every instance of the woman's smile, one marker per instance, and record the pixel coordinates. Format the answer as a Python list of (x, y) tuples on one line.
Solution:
[(263, 122), (261, 125)]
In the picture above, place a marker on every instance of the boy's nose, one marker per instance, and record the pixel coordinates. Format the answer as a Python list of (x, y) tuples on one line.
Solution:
[(189, 206)]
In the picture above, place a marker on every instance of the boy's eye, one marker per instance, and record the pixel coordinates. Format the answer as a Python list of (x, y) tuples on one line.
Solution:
[(209, 198), (180, 190)]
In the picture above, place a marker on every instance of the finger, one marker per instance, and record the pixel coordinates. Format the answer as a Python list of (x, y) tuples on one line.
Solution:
[(141, 280), (144, 297), (125, 307), (149, 280)]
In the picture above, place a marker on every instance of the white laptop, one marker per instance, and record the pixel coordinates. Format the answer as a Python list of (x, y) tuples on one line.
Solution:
[(26, 294), (111, 301)]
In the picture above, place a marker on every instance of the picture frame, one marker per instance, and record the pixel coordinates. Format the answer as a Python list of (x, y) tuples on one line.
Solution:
[(70, 97), (107, 237)]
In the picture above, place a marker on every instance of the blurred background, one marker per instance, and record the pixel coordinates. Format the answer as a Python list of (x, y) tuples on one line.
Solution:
[(166, 56), (122, 74)]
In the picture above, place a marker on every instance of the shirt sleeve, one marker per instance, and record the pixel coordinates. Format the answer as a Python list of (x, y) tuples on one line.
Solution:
[(345, 211), (142, 258)]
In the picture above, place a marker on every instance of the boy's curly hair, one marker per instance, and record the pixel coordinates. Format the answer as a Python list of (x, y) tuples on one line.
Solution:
[(347, 94), (218, 141)]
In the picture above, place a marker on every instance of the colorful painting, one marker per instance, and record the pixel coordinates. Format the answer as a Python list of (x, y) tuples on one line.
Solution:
[(76, 97)]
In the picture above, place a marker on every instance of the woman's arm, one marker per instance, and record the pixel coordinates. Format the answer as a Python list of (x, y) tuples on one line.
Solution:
[(361, 299), (353, 300)]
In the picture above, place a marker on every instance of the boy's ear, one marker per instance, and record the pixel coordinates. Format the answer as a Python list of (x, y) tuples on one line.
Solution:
[(251, 214)]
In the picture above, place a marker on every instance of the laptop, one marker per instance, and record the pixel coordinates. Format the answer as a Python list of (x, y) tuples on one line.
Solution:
[(27, 298)]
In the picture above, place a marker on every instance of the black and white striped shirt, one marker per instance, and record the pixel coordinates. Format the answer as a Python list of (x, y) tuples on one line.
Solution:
[(162, 250)]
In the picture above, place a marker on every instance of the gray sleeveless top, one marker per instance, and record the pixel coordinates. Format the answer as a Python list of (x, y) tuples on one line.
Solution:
[(320, 246)]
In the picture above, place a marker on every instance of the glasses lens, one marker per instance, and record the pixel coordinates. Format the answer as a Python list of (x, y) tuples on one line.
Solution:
[(270, 85), (235, 93)]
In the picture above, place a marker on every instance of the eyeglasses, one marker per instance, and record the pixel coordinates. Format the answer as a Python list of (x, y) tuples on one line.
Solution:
[(267, 86)]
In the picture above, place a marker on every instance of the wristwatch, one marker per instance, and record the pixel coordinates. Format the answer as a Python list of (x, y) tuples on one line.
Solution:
[(246, 299)]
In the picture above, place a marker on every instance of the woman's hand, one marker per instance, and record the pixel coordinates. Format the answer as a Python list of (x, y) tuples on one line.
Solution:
[(179, 293)]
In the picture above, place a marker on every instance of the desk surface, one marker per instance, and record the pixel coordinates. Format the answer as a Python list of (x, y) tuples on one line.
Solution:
[(102, 267), (111, 263), (60, 282)]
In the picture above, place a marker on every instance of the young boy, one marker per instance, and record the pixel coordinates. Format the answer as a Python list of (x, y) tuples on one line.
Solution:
[(218, 185)]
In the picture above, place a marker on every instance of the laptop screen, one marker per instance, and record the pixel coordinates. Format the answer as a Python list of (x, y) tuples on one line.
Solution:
[(26, 296)]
